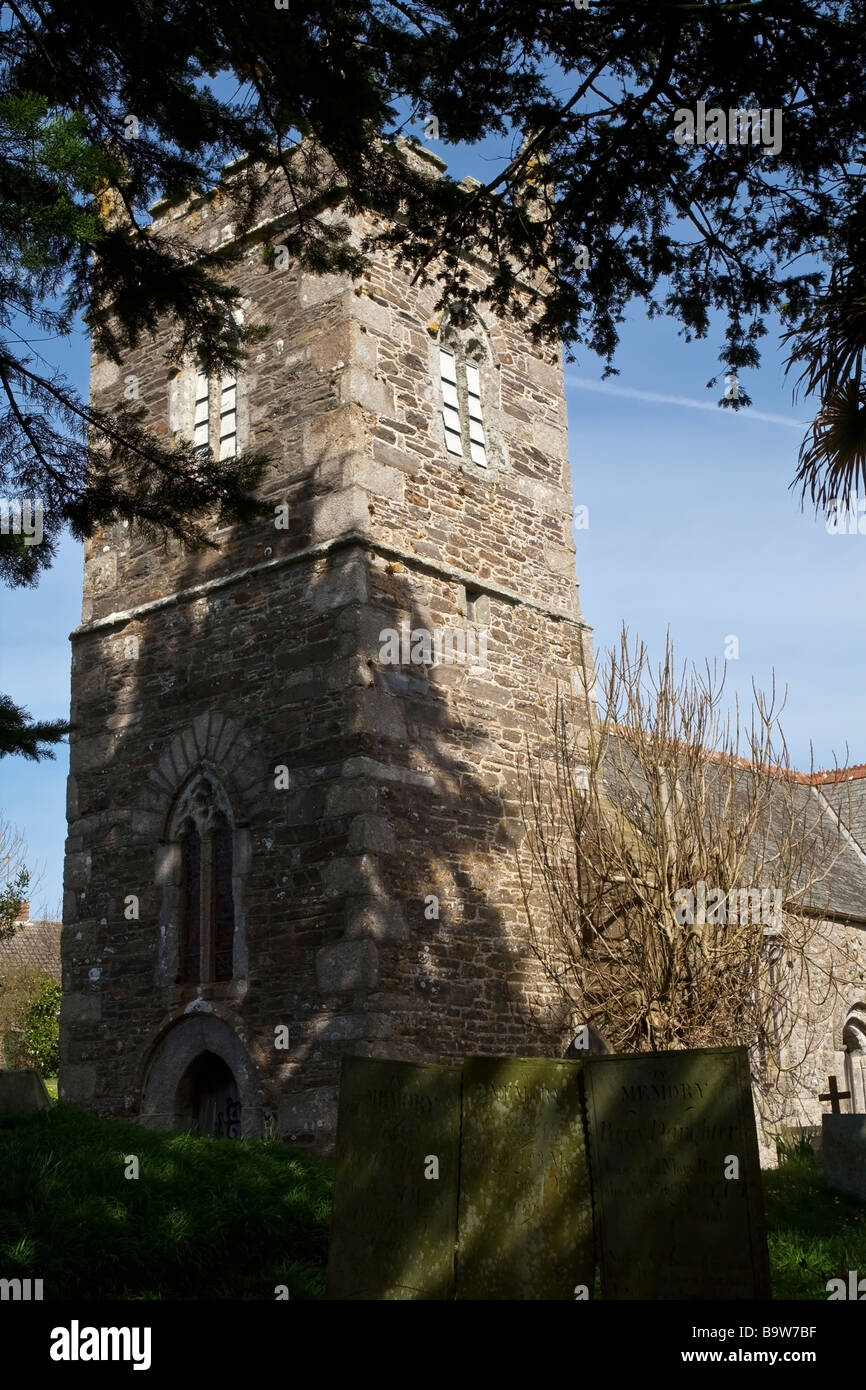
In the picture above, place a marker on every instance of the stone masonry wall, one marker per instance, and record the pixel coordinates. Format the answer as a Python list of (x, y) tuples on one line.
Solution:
[(403, 779)]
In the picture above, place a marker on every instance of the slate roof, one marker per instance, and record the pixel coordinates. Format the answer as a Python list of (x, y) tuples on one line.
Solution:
[(35, 945), (840, 793), (846, 794)]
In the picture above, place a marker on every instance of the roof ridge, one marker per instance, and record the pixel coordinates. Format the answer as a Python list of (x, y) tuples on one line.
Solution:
[(819, 778)]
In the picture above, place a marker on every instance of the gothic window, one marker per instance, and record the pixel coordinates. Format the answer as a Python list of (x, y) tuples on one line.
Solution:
[(775, 953), (223, 906), (190, 965), (854, 1042), (467, 378), (207, 914)]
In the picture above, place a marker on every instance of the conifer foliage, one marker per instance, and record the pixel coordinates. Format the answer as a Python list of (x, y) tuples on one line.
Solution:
[(103, 109)]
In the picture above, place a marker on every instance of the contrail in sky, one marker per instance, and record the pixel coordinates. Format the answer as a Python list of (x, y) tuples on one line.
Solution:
[(658, 398)]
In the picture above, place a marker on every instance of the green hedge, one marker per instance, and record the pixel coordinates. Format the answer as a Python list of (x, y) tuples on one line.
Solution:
[(41, 1039)]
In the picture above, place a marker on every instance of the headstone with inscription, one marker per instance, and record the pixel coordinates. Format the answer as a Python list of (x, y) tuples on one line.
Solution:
[(393, 1225), (525, 1218), (676, 1176)]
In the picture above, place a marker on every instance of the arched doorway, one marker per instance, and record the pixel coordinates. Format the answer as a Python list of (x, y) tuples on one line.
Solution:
[(208, 1099), (200, 1077), (854, 1042)]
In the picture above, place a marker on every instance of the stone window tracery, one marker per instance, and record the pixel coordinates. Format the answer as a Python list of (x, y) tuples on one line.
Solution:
[(469, 391)]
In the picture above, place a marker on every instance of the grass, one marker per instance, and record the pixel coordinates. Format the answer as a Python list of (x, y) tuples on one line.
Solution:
[(205, 1218), (813, 1234), (209, 1219)]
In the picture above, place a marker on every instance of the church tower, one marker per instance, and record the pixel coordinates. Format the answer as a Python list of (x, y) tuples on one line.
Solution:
[(294, 811)]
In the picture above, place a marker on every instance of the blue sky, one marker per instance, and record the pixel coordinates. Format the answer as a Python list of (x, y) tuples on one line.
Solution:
[(692, 527)]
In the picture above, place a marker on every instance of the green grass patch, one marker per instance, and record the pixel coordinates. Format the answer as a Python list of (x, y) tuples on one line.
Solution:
[(213, 1219), (206, 1218), (813, 1234)]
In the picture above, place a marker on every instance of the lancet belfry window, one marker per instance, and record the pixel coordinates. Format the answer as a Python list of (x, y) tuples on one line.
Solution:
[(202, 412), (461, 403), (207, 917), (228, 424), (216, 416)]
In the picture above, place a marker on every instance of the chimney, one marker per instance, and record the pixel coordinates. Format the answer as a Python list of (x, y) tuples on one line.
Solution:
[(24, 914)]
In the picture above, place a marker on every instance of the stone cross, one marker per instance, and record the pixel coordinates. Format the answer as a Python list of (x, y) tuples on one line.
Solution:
[(834, 1095)]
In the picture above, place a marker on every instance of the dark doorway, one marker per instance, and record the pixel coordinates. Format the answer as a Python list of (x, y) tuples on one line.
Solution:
[(208, 1100)]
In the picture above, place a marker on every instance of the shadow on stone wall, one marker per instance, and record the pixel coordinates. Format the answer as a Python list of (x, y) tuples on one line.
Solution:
[(398, 794)]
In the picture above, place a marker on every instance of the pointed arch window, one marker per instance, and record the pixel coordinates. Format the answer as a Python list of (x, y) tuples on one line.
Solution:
[(854, 1043), (190, 963), (465, 374), (207, 911)]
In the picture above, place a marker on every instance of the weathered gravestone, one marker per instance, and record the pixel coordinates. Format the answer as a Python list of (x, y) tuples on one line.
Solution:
[(525, 1216), (22, 1092), (843, 1154), (394, 1223), (663, 1129)]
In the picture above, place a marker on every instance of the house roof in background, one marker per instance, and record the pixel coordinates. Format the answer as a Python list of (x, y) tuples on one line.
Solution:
[(35, 946)]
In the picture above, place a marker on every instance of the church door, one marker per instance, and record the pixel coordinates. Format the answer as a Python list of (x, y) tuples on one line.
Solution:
[(208, 1100)]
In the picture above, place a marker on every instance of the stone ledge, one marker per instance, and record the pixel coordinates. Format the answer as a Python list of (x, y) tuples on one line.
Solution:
[(439, 568)]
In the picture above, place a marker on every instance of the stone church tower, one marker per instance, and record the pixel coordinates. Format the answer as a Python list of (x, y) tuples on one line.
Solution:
[(293, 800)]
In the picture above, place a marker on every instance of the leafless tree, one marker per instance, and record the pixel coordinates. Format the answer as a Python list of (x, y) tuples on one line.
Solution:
[(17, 880), (677, 871)]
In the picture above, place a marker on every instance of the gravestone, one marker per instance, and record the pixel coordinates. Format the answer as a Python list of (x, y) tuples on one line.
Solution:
[(22, 1092), (663, 1129), (525, 1216), (843, 1154), (394, 1224)]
